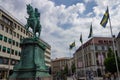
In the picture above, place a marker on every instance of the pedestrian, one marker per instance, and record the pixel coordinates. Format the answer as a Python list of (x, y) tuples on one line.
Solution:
[(74, 77), (112, 77)]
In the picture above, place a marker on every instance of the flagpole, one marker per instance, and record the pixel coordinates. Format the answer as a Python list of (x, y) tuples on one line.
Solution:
[(91, 35), (70, 62), (94, 56), (114, 49), (83, 61), (94, 51), (76, 60)]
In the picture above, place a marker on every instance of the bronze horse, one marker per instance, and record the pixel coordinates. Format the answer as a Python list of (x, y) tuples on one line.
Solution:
[(33, 20)]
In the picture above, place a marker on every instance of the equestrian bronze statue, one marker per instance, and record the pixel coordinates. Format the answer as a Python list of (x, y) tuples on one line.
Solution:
[(33, 20)]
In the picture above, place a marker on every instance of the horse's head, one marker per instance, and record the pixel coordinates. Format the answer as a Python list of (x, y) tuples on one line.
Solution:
[(29, 9)]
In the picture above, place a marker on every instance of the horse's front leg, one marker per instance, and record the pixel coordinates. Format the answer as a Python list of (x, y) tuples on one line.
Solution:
[(34, 30), (39, 31), (26, 27)]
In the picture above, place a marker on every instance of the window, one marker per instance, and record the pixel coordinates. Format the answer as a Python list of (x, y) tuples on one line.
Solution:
[(14, 25), (24, 31), (5, 38), (12, 51), (16, 52), (0, 47), (6, 29), (9, 41), (21, 29), (17, 35), (10, 31), (110, 42), (4, 49), (16, 43), (106, 42), (6, 20), (13, 42), (1, 60), (100, 41), (103, 48), (14, 34), (8, 50), (2, 27), (1, 36), (96, 48), (18, 27), (5, 60)]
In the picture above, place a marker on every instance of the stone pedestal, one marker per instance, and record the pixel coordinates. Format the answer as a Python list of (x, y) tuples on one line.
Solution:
[(32, 62)]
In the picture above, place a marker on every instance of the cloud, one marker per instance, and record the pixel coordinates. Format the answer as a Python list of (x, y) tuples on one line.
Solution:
[(62, 25)]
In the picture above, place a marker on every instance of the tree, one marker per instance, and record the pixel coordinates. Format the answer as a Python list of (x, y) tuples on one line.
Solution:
[(66, 70), (110, 53), (110, 64), (73, 68)]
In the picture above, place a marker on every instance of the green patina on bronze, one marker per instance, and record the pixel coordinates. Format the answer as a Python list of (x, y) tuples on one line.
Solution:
[(33, 20), (32, 61)]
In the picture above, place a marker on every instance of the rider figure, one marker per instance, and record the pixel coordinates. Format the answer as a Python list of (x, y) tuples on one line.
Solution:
[(33, 20)]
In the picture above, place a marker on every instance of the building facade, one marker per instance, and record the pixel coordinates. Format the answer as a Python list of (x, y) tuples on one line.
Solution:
[(118, 44), (89, 57), (59, 65), (11, 32)]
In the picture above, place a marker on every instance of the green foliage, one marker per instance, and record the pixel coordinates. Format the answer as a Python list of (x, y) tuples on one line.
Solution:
[(66, 70), (73, 68), (110, 64), (110, 53)]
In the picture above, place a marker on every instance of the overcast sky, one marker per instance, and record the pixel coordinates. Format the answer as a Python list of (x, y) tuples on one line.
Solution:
[(64, 20)]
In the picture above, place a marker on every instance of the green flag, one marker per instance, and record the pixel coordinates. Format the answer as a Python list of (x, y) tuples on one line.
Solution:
[(81, 38), (105, 18), (72, 45), (91, 33)]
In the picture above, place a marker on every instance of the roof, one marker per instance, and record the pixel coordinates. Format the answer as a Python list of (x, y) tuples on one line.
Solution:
[(59, 59), (90, 41), (10, 15)]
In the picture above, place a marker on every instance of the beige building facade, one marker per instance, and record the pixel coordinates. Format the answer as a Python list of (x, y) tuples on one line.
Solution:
[(89, 57), (58, 64), (11, 32)]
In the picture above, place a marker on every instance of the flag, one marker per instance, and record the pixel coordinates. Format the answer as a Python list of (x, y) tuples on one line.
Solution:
[(72, 45), (105, 18), (91, 33), (81, 38)]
